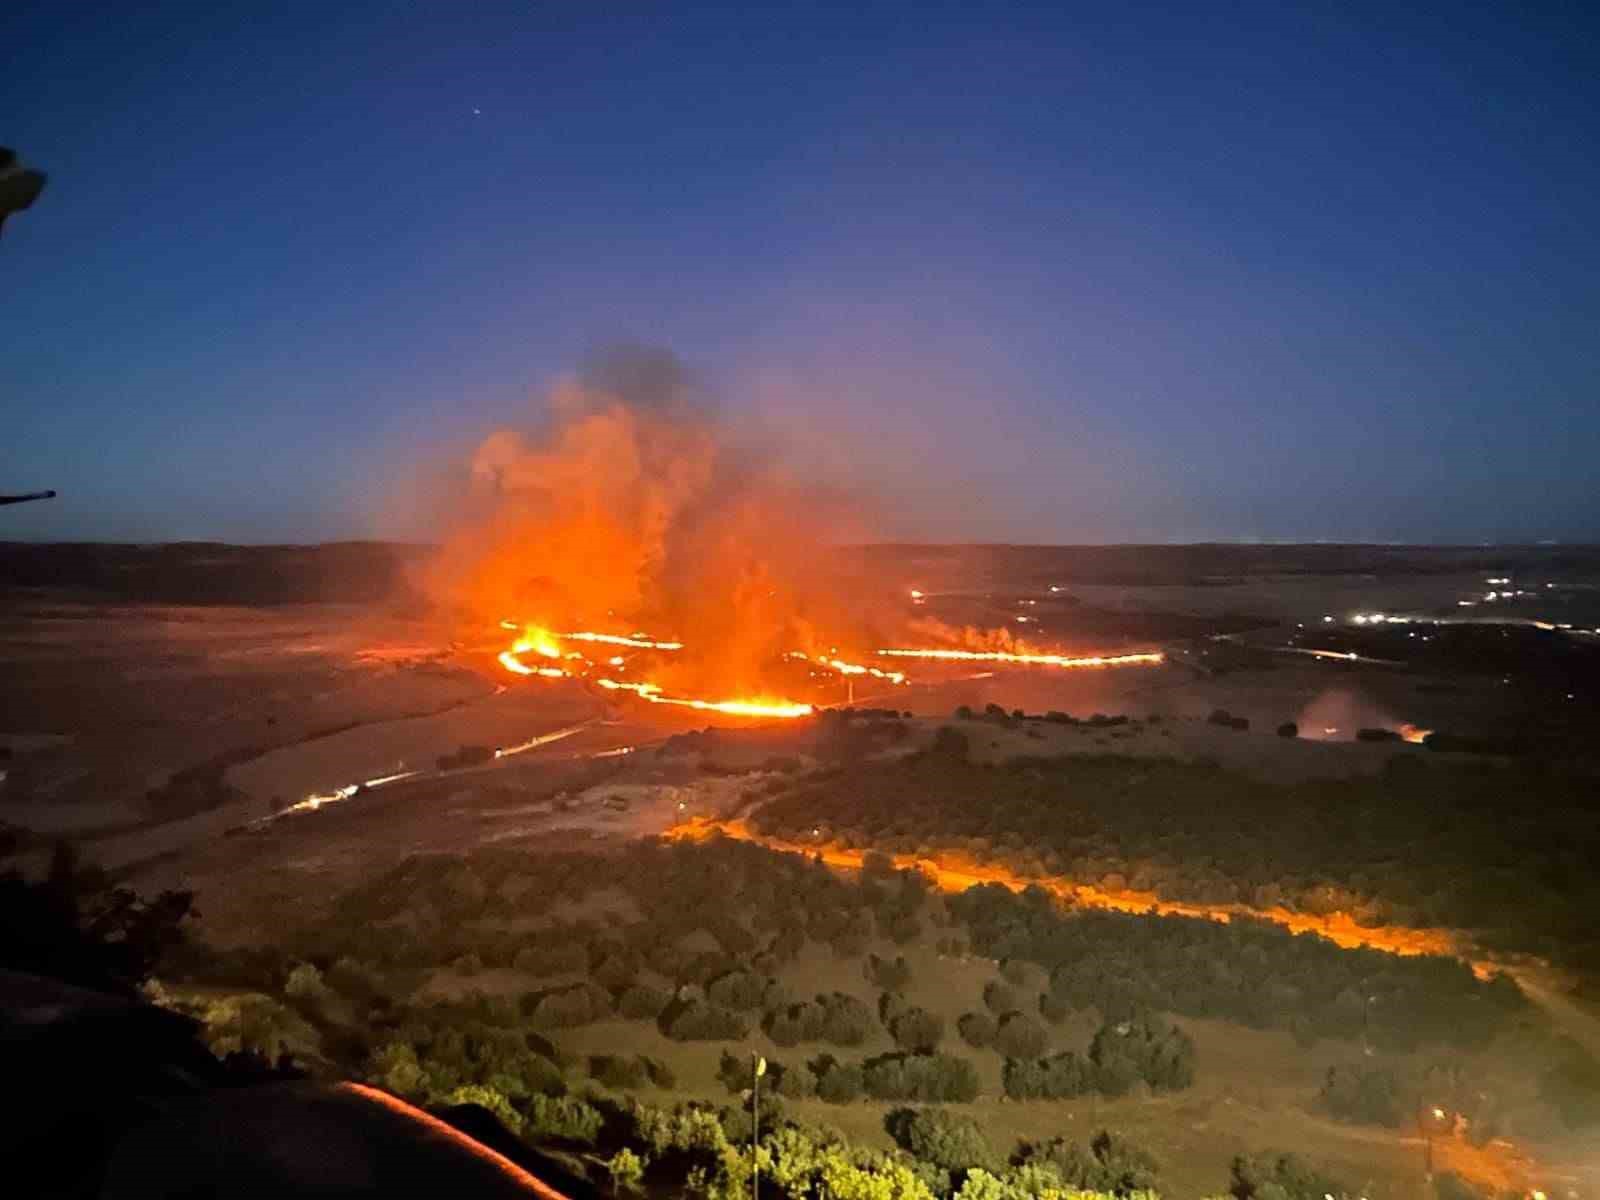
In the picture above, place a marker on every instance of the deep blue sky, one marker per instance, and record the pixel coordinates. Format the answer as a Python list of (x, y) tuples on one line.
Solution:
[(1047, 273)]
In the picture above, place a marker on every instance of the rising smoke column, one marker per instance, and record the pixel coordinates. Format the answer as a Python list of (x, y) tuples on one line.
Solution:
[(633, 503)]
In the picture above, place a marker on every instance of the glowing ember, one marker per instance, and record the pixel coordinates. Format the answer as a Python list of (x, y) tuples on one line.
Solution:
[(1414, 733), (737, 708), (849, 668), (510, 661), (1150, 658), (638, 641), (956, 872)]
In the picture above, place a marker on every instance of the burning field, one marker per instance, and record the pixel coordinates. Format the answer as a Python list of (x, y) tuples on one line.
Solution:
[(641, 544)]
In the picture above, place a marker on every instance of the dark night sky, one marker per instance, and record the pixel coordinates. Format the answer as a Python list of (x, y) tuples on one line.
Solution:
[(1044, 273)]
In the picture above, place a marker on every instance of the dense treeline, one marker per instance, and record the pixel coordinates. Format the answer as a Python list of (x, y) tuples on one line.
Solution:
[(1252, 972), (1505, 851)]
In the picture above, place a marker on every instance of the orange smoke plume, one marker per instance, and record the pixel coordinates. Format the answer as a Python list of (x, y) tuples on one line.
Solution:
[(634, 505)]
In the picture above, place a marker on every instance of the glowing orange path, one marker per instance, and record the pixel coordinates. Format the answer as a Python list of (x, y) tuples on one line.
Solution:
[(956, 873), (515, 1174), (1144, 658)]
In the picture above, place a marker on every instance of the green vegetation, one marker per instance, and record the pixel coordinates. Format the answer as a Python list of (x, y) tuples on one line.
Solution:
[(700, 948), (1252, 972), (1507, 849)]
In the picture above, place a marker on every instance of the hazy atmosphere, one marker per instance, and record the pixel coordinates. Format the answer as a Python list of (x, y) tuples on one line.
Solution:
[(803, 602), (1168, 273)]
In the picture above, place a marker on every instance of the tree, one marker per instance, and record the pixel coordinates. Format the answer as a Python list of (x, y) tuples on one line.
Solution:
[(1109, 1164), (999, 997), (1280, 1177), (1020, 1036), (74, 926), (977, 1029), (917, 1030), (950, 1141), (626, 1170), (950, 743)]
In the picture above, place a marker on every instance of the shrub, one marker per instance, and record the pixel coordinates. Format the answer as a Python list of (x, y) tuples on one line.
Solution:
[(642, 1003), (1288, 730), (917, 1030), (565, 1117), (936, 1078), (1280, 1177), (697, 1021), (566, 1007), (1363, 1094), (1020, 1036), (486, 1098), (798, 1082), (999, 997), (839, 1083), (1160, 1054), (1060, 1077), (738, 990), (977, 1029), (949, 1141), (949, 742), (617, 1072), (1109, 1164), (1052, 1008)]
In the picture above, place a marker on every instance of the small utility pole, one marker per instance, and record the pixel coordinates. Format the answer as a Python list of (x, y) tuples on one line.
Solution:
[(758, 1068)]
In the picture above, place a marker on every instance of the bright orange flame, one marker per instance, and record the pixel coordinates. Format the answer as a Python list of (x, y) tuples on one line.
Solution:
[(737, 708), (849, 668), (955, 872), (638, 641), (1147, 658), (1414, 734), (539, 641)]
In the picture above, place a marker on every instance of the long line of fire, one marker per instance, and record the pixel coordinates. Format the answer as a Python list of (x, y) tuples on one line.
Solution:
[(559, 662)]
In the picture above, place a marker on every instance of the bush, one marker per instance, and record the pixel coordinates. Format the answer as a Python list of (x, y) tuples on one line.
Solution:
[(1060, 1077), (839, 1083), (566, 1007), (934, 1078), (1110, 1164), (949, 1141), (642, 1003), (738, 990), (1364, 1095), (489, 1099), (1221, 716), (1020, 1036), (1288, 730), (999, 997), (1280, 1177), (1160, 1054), (1015, 972), (565, 1117), (1051, 1008), (698, 1021), (616, 1072), (890, 975), (917, 1030), (977, 1029), (949, 742), (796, 1082)]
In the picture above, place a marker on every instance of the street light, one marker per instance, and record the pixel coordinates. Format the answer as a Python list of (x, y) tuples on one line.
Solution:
[(758, 1068)]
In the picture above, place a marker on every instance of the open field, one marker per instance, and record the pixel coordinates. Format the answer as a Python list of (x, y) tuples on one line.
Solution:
[(167, 739)]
